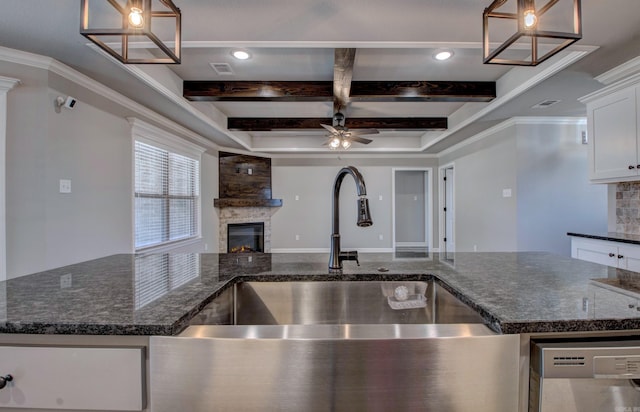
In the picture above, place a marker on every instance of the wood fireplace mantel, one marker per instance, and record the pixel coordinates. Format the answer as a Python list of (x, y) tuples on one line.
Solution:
[(239, 202)]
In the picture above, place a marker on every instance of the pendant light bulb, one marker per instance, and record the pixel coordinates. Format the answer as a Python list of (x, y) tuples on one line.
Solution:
[(135, 17), (530, 19)]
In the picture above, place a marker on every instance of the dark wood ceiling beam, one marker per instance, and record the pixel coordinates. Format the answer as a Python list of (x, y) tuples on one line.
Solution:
[(258, 91), (316, 91), (264, 124), (342, 75), (411, 91)]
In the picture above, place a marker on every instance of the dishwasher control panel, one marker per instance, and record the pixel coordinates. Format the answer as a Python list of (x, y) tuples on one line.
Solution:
[(600, 360), (616, 367)]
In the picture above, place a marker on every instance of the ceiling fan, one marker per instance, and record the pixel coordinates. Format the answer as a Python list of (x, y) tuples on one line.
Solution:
[(341, 137)]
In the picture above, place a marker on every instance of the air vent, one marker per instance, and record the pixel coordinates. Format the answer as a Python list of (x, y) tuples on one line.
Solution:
[(222, 69), (568, 361), (544, 104)]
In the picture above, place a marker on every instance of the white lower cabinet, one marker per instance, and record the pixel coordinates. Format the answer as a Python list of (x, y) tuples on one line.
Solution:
[(610, 253), (73, 378)]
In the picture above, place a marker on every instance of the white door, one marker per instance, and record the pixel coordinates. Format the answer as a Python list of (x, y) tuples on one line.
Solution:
[(448, 212)]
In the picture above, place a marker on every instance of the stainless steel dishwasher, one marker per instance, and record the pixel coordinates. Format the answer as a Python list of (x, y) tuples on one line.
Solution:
[(585, 376)]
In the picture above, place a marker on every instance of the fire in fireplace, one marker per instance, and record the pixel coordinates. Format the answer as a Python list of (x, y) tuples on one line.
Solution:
[(245, 237)]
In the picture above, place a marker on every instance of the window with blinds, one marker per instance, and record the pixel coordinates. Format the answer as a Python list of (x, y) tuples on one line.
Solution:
[(167, 196)]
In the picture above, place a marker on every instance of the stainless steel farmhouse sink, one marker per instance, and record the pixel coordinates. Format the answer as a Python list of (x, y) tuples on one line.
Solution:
[(335, 346)]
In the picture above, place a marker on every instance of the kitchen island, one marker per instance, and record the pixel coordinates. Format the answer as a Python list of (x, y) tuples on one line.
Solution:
[(526, 292), (127, 315)]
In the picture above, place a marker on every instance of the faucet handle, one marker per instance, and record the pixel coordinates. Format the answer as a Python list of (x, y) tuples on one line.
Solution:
[(349, 255)]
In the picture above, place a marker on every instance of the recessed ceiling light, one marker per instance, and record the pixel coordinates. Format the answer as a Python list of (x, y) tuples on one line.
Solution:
[(240, 54), (443, 55)]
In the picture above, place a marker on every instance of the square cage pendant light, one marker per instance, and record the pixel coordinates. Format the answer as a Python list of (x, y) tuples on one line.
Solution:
[(529, 32), (134, 31)]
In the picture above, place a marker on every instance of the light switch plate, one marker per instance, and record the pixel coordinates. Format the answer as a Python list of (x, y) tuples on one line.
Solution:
[(506, 192)]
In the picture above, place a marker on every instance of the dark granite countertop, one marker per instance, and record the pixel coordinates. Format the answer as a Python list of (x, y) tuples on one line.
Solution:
[(158, 294), (610, 236)]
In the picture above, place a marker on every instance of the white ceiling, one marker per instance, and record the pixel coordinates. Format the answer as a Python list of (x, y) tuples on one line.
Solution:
[(294, 40)]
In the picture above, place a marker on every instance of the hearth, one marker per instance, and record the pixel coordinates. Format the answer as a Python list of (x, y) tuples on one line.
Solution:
[(245, 237)]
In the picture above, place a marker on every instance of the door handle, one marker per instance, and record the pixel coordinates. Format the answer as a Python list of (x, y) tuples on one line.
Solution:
[(620, 256), (612, 254), (631, 167)]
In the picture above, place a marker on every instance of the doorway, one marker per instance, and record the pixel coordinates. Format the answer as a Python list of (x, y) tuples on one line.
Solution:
[(447, 212), (412, 220)]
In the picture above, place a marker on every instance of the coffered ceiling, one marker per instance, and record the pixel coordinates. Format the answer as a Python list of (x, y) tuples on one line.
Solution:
[(267, 103)]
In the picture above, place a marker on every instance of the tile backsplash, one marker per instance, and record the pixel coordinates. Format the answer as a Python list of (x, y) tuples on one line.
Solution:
[(628, 207)]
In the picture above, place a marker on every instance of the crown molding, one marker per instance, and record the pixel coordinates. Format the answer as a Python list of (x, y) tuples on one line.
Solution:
[(61, 69), (612, 88), (8, 83), (620, 72), (169, 94), (521, 79), (514, 121)]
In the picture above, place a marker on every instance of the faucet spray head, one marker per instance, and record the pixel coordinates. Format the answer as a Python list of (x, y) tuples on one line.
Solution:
[(364, 215)]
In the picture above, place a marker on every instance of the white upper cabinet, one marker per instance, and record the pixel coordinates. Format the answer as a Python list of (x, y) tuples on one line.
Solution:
[(614, 134)]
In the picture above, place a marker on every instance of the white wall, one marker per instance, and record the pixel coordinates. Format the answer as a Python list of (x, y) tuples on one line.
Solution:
[(545, 166), (92, 147), (485, 220), (554, 193)]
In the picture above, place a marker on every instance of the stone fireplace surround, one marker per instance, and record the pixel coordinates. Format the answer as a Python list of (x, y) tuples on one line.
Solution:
[(245, 194), (227, 215)]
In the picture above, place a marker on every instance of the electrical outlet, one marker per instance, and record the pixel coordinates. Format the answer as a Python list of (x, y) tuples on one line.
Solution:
[(506, 192), (297, 237), (297, 197), (380, 197), (380, 237)]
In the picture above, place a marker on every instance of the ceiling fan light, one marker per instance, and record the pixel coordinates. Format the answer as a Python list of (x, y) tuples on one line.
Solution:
[(334, 143), (346, 144)]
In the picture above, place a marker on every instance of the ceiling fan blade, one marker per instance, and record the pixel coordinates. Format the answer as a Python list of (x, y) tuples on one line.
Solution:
[(360, 140), (364, 131), (330, 128)]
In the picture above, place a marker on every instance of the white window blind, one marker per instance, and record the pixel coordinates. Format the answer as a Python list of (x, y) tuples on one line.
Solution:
[(167, 196)]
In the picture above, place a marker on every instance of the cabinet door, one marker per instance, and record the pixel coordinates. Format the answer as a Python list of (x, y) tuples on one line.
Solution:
[(597, 251), (71, 378), (608, 303), (629, 257), (613, 132)]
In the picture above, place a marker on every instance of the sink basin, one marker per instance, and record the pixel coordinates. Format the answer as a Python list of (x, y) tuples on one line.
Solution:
[(335, 346), (336, 303)]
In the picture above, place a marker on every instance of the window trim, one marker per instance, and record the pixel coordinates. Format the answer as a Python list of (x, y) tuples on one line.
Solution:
[(146, 133)]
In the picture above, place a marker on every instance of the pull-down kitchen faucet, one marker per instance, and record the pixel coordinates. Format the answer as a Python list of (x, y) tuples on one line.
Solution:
[(364, 217)]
